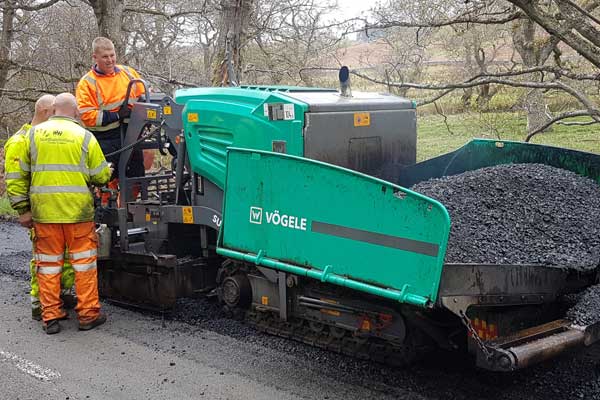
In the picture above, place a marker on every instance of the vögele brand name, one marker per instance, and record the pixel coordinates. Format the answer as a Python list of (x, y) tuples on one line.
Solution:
[(276, 218)]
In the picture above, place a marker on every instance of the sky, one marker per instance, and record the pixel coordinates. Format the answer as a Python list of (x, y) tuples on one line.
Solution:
[(354, 8)]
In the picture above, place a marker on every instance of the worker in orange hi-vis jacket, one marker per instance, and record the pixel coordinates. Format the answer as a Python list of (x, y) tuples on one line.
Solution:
[(61, 161), (100, 96)]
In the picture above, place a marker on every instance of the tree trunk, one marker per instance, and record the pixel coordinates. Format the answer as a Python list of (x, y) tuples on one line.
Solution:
[(232, 27), (484, 97), (524, 40), (109, 19), (536, 110), (466, 98), (6, 37)]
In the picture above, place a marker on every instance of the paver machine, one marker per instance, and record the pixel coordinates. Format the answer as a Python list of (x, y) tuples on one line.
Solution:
[(290, 205)]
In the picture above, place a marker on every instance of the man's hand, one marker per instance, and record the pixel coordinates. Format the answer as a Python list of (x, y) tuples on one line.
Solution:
[(26, 220), (124, 112)]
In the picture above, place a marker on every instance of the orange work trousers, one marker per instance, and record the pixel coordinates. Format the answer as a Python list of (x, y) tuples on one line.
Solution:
[(49, 246)]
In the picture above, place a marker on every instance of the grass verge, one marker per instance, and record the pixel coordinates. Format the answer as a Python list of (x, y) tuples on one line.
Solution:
[(436, 135)]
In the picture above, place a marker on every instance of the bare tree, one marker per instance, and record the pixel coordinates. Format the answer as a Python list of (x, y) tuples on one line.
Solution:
[(109, 18), (479, 49), (23, 75), (571, 21), (232, 29), (162, 41), (534, 50), (44, 47), (10, 13), (290, 37), (535, 70)]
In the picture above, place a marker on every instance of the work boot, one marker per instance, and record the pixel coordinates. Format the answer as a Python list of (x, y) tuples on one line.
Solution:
[(69, 301), (51, 327), (36, 313), (86, 326)]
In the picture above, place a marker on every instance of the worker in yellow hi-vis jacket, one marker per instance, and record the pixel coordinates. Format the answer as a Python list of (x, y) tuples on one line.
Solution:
[(64, 161), (13, 151)]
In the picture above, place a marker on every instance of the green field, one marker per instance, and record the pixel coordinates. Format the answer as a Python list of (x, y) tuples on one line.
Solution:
[(436, 137)]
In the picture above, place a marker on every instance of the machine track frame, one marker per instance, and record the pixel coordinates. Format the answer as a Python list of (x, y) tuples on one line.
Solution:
[(338, 340)]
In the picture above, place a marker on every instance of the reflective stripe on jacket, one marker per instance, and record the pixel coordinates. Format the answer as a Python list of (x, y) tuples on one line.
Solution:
[(98, 92), (14, 170), (64, 160)]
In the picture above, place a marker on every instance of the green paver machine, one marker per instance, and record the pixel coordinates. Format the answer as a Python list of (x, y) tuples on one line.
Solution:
[(290, 204)]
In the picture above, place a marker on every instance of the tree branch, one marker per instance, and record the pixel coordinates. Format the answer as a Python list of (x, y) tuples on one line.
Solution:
[(439, 110), (170, 81), (28, 90), (36, 7), (159, 13), (571, 114), (562, 31), (486, 80), (32, 68), (465, 19), (583, 11)]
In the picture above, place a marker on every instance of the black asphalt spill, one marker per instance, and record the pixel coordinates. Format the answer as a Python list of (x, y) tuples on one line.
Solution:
[(441, 375), (520, 214)]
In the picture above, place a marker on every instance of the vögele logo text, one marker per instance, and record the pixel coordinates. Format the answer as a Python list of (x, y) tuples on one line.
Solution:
[(276, 218)]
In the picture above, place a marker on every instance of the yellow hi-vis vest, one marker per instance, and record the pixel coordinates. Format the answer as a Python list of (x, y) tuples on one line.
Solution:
[(64, 159), (14, 170)]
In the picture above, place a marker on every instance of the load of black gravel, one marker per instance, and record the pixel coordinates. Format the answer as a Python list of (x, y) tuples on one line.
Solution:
[(587, 309), (520, 214)]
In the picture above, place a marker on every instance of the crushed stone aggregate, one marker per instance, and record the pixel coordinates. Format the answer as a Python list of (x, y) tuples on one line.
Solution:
[(586, 310), (520, 214)]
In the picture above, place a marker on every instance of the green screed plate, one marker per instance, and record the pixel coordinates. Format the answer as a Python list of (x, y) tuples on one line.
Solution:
[(333, 224)]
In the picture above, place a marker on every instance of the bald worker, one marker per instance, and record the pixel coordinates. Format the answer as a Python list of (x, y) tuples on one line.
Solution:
[(13, 150), (65, 159)]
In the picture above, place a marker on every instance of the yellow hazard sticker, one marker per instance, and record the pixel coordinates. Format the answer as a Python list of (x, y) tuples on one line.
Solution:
[(330, 312), (151, 114), (264, 300), (365, 325), (362, 119), (192, 117), (167, 110), (147, 217), (188, 215)]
